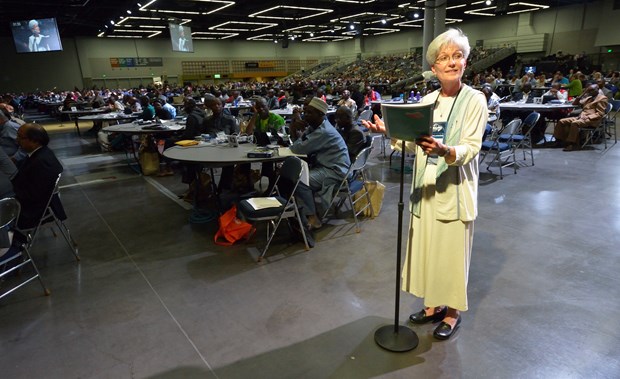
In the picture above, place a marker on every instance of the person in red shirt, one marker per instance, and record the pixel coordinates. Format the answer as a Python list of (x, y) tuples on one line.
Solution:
[(371, 95)]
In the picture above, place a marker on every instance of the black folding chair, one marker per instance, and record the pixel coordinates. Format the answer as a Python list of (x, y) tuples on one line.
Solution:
[(9, 213), (54, 212), (284, 190)]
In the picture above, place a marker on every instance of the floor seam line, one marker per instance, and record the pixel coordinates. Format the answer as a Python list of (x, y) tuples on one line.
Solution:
[(169, 194), (148, 282)]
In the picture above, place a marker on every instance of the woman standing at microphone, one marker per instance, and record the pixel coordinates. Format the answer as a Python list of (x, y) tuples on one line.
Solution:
[(444, 194)]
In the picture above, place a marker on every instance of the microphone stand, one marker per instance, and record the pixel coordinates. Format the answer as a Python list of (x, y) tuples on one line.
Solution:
[(398, 338)]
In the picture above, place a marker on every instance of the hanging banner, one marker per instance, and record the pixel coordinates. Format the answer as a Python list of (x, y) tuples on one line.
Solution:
[(136, 62)]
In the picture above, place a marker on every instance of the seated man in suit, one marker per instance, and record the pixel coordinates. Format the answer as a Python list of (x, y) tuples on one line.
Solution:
[(320, 141), (593, 104), (34, 182)]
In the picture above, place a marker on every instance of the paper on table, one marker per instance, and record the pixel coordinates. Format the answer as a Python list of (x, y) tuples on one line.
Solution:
[(187, 143), (264, 202)]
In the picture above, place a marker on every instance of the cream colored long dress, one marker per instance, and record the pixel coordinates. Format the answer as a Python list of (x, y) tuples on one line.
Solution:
[(438, 252)]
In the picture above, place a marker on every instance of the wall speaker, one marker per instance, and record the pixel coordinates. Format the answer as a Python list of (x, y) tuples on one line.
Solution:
[(285, 43), (502, 7)]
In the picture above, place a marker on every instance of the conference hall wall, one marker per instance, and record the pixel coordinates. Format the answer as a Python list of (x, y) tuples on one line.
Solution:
[(86, 61)]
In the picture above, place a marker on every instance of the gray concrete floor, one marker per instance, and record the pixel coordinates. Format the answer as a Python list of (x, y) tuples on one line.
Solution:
[(153, 297)]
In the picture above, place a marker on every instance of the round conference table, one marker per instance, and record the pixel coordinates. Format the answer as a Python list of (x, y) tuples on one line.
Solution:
[(549, 112), (211, 155), (135, 127), (534, 107), (161, 129), (105, 118), (218, 155), (82, 112)]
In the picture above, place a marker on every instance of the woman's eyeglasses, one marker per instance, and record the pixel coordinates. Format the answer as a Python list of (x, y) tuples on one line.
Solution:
[(443, 59)]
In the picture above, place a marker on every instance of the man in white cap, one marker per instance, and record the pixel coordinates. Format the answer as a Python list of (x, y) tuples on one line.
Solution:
[(327, 152)]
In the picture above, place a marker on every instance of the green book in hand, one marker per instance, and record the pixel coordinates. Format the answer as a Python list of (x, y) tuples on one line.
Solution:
[(407, 122)]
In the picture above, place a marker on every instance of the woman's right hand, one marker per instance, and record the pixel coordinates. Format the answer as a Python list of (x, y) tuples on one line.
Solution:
[(378, 126)]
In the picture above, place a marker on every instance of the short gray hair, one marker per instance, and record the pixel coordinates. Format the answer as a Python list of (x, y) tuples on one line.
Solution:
[(452, 36), (262, 101)]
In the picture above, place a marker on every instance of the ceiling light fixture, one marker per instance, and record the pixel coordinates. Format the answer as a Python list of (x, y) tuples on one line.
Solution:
[(319, 11), (488, 2), (142, 8)]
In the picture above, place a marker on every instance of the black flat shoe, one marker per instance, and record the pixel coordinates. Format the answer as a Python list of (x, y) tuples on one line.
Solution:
[(445, 331), (422, 318)]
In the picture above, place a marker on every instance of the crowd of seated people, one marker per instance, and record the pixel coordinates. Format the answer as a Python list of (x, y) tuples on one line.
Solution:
[(376, 72), (355, 85), (332, 147), (589, 93)]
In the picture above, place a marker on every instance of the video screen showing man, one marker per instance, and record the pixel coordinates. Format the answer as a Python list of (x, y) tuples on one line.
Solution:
[(36, 35), (181, 37)]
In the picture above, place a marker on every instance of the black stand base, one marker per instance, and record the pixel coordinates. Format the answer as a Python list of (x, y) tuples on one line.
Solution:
[(399, 340), (396, 337)]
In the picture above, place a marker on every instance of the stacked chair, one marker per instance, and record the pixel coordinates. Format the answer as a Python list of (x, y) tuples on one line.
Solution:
[(502, 153), (522, 139), (354, 183)]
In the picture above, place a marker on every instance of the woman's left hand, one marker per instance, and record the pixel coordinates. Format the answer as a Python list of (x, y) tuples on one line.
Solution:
[(430, 145), (378, 126)]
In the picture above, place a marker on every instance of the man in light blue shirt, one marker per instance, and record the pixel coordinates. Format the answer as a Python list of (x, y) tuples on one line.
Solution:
[(171, 109)]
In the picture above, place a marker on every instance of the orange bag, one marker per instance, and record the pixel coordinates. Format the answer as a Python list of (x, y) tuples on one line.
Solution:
[(233, 229)]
